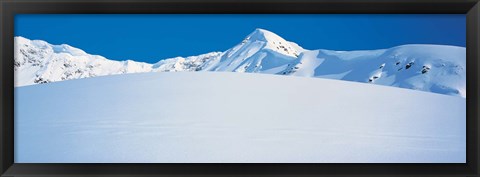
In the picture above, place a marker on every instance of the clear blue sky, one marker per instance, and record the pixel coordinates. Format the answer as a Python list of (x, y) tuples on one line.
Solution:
[(149, 38)]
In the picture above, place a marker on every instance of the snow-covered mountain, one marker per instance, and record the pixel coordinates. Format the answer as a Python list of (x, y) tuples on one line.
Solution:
[(38, 62), (433, 68)]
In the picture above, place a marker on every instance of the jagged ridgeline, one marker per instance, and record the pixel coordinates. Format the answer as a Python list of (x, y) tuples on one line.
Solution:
[(432, 68)]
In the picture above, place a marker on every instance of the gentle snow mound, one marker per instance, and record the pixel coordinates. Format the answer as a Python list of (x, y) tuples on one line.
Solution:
[(208, 117)]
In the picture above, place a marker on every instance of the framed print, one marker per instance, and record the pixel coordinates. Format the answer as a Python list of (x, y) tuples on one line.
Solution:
[(239, 88)]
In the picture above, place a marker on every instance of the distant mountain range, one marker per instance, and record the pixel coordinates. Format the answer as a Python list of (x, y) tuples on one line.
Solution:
[(432, 68)]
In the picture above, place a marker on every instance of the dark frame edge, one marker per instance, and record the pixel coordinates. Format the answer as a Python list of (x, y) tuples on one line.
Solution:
[(473, 53), (242, 6), (6, 94), (2, 134), (8, 8)]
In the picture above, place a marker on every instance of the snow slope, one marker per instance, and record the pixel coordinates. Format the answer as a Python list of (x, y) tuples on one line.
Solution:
[(431, 68), (234, 117)]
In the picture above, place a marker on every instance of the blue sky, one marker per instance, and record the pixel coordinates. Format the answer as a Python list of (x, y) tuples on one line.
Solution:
[(149, 38)]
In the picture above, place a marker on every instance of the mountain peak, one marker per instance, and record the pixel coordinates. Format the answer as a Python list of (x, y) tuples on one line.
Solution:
[(263, 35), (273, 42)]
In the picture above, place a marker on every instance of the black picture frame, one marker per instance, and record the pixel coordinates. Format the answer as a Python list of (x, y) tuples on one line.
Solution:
[(9, 8)]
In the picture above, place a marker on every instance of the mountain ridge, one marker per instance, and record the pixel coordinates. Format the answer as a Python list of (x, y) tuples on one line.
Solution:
[(424, 67)]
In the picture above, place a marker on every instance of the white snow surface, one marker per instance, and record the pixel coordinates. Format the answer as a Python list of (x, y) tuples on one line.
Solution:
[(432, 68), (210, 117)]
